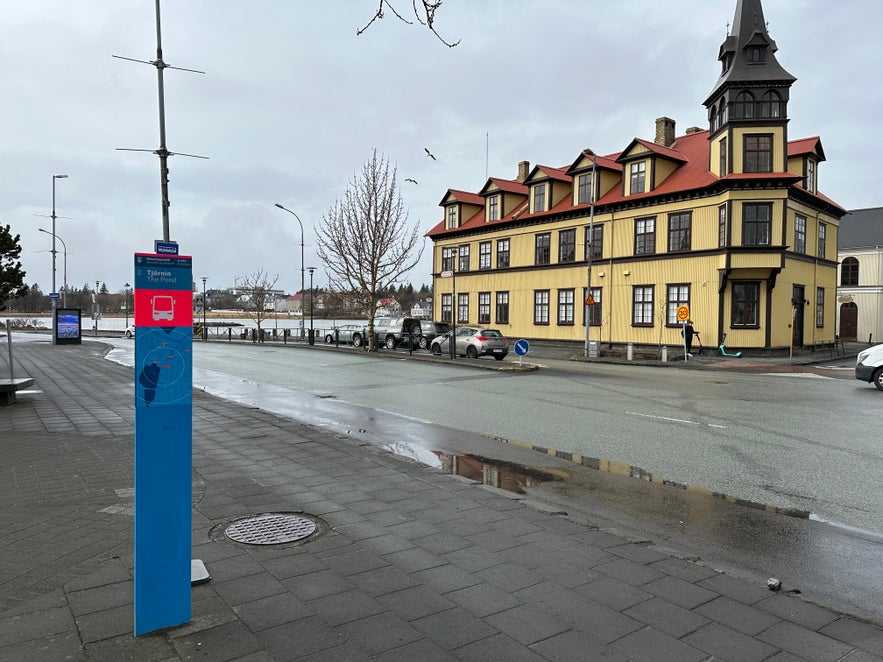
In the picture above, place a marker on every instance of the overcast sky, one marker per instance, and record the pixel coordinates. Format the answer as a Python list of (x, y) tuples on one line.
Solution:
[(293, 103)]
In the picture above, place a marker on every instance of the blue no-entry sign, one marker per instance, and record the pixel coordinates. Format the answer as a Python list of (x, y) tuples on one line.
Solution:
[(522, 347)]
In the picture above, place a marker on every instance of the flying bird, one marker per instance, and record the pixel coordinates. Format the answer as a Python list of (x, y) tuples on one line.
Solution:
[(408, 179), (429, 154)]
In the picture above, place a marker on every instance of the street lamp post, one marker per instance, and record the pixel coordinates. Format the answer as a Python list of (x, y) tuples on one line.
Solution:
[(126, 302), (312, 336), (204, 305), (301, 249), (54, 300), (64, 250), (590, 249)]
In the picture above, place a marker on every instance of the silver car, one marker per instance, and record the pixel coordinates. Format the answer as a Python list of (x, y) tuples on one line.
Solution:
[(346, 334), (473, 342)]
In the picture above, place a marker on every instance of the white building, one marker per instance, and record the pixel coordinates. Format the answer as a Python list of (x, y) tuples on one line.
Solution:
[(860, 276)]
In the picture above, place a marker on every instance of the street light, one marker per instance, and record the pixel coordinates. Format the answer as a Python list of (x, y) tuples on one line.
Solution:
[(590, 249), (301, 250), (54, 300), (126, 304), (312, 337), (96, 313), (204, 330), (64, 247)]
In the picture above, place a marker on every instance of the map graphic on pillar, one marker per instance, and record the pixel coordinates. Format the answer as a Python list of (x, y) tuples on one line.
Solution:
[(165, 373)]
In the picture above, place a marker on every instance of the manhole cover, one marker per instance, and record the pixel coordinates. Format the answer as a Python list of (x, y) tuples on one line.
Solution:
[(270, 529)]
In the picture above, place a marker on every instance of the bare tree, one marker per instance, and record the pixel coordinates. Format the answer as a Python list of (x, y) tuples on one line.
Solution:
[(424, 12), (257, 288), (365, 240)]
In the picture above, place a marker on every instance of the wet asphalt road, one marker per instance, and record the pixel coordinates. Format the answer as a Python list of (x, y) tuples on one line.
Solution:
[(790, 440)]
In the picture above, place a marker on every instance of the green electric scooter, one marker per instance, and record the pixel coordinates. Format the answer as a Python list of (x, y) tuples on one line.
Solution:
[(737, 355)]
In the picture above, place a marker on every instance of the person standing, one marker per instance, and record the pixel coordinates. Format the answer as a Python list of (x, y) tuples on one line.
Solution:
[(688, 332)]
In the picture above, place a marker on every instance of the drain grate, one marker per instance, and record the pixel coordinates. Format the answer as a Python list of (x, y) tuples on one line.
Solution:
[(270, 529)]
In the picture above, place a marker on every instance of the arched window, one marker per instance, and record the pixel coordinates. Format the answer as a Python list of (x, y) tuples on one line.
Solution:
[(743, 108), (712, 118), (771, 104), (722, 113), (849, 271)]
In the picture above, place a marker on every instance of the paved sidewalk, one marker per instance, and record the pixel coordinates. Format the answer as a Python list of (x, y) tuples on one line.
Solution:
[(409, 563)]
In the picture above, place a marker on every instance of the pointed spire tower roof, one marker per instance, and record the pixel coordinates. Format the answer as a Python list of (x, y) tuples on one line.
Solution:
[(748, 53)]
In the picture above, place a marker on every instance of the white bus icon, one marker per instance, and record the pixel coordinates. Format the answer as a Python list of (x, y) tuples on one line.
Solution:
[(163, 307)]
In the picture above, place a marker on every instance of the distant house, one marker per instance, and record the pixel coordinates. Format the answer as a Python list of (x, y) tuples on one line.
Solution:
[(422, 310), (388, 307), (293, 304), (860, 276)]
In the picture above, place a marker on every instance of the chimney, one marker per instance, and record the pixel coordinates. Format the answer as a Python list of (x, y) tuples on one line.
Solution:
[(694, 129), (665, 131), (523, 169)]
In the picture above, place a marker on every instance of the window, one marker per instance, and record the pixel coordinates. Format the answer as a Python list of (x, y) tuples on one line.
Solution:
[(722, 114), (502, 308), (464, 258), (484, 255), (541, 307), (677, 295), (452, 217), (743, 107), (645, 236), (722, 225), (539, 198), (679, 231), (448, 258), (585, 184), (810, 181), (746, 304), (543, 242), (712, 118), (484, 307), (756, 54), (642, 305), (567, 246), (594, 309), (638, 177), (462, 308), (565, 307), (756, 223), (771, 104), (502, 253), (446, 309), (849, 271), (823, 240), (759, 153), (493, 208), (724, 165), (800, 234), (820, 306), (596, 243)]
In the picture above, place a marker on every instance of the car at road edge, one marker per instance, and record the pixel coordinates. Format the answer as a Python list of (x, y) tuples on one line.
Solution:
[(869, 366), (473, 342)]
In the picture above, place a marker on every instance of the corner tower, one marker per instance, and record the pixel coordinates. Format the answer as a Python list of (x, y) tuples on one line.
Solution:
[(747, 110)]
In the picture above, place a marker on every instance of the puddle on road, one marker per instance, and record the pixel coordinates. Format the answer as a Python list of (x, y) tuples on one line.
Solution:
[(504, 475)]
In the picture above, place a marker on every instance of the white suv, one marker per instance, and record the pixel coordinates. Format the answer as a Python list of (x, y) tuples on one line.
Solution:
[(869, 366)]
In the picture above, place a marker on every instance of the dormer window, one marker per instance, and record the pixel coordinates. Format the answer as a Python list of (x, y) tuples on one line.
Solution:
[(493, 208), (584, 190), (452, 217), (771, 104), (638, 177), (726, 61), (539, 198), (810, 181), (756, 54)]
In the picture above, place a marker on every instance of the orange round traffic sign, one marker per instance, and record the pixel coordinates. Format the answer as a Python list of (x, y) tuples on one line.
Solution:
[(683, 313)]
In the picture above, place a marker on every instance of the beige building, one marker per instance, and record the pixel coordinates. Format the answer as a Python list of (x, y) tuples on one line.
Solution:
[(860, 290), (725, 224)]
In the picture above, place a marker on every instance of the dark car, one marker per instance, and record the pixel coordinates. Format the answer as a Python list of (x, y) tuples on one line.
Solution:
[(396, 331), (429, 331), (473, 342)]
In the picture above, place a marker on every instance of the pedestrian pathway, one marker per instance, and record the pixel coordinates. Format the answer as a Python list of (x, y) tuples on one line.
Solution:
[(407, 563)]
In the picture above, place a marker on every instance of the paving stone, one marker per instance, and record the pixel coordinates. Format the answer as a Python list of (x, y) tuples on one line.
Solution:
[(680, 592), (628, 572), (416, 602), (728, 644), (858, 633), (798, 611), (106, 624), (247, 589), (35, 625), (497, 647), (614, 593), (690, 571), (804, 643), (510, 576), (650, 645), (225, 642), (602, 623), (446, 578), (317, 584), (146, 648), (380, 633), (548, 596), (637, 552), (381, 581), (735, 588), (294, 564), (101, 597), (735, 615), (345, 607), (61, 646), (527, 624), (453, 628), (561, 647), (423, 650), (666, 617), (272, 611)]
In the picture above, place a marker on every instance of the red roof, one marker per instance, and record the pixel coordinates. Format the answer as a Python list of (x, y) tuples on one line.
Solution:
[(463, 196), (690, 151), (806, 146), (505, 185), (552, 173)]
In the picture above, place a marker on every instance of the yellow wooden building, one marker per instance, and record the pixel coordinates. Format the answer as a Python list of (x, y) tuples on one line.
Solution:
[(726, 223)]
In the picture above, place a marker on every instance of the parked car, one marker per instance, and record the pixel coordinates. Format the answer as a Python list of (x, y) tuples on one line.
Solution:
[(130, 331), (429, 331), (473, 342), (348, 334), (869, 366), (395, 331)]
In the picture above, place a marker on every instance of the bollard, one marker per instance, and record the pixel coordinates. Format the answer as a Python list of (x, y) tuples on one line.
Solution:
[(664, 354), (630, 352)]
